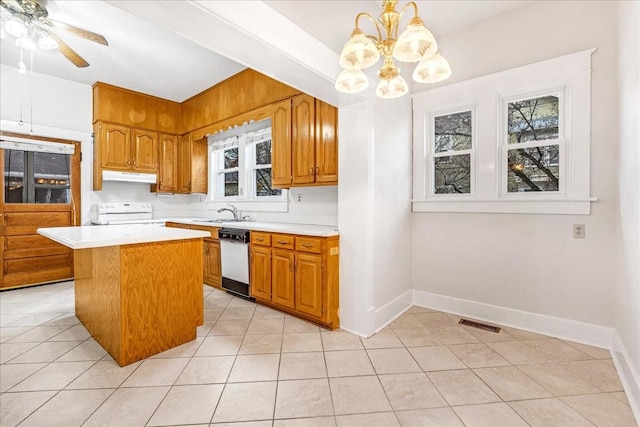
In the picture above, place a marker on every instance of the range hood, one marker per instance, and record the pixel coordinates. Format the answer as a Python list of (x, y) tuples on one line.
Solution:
[(147, 178)]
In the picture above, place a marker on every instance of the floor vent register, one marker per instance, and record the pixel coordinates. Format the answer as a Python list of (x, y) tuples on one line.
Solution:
[(479, 325)]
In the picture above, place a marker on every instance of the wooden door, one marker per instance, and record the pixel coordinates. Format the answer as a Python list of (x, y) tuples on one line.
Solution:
[(281, 144), (308, 279), (168, 168), (27, 258), (326, 143), (303, 139), (144, 151), (282, 277), (115, 147), (260, 273), (184, 164)]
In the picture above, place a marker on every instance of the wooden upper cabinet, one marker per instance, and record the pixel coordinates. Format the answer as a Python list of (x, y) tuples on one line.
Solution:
[(303, 139), (168, 170), (144, 151), (281, 144), (115, 147), (326, 143), (184, 164)]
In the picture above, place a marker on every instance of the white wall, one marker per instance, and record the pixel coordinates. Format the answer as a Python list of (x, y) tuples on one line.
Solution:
[(531, 262), (63, 109), (627, 292)]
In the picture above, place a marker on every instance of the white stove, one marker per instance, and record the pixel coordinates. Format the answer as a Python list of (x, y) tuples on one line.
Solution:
[(112, 213)]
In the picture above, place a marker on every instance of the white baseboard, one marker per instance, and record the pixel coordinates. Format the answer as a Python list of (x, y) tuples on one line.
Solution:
[(628, 374), (584, 333), (390, 311)]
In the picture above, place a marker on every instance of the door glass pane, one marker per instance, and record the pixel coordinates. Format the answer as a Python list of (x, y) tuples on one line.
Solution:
[(231, 183), (14, 166), (452, 132), (51, 178), (534, 119), (533, 169), (452, 174), (263, 183)]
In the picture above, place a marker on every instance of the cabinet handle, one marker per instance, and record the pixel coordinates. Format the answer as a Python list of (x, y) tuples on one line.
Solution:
[(311, 170), (317, 170), (135, 163), (259, 239), (290, 266), (307, 245), (282, 242), (128, 162)]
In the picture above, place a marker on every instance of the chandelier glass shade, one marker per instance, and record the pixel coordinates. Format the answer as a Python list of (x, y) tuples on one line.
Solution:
[(415, 44), (27, 35)]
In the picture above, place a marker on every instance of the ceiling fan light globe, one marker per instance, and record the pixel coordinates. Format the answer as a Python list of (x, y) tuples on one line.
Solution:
[(393, 88), (45, 41), (16, 26), (359, 52), (351, 81), (415, 43), (25, 43), (432, 70)]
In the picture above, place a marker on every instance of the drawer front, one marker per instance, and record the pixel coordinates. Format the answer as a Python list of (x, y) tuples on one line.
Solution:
[(284, 241), (309, 244), (261, 239)]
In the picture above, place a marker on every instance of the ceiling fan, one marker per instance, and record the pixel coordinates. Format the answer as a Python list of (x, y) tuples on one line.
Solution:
[(28, 21)]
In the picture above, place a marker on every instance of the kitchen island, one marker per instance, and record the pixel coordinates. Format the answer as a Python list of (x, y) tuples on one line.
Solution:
[(138, 289)]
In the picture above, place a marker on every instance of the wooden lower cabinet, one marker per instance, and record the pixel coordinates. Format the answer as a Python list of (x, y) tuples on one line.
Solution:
[(211, 266), (302, 281)]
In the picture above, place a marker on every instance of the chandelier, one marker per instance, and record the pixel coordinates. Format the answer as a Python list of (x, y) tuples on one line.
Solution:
[(415, 44)]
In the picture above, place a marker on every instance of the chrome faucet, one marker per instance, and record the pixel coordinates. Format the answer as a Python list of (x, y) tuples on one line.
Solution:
[(236, 213)]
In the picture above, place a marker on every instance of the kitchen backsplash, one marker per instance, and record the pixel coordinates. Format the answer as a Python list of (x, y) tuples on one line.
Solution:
[(306, 205)]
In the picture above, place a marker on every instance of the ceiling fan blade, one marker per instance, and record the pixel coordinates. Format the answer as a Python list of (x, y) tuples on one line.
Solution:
[(86, 34), (13, 5), (69, 53)]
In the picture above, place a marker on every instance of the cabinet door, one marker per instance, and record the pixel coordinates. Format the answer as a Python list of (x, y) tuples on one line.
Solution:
[(308, 279), (326, 143), (184, 164), (145, 151), (281, 144), (303, 139), (167, 172), (115, 147), (199, 171), (215, 267), (260, 272), (282, 291)]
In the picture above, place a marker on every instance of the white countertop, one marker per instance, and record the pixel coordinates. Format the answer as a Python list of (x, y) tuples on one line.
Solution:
[(114, 235), (274, 227)]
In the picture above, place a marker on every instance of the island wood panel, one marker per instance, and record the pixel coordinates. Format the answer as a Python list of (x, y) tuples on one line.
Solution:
[(240, 93), (331, 280), (135, 109), (97, 296), (139, 300)]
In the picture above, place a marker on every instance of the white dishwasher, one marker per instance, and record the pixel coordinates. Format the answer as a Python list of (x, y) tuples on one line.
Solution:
[(234, 257)]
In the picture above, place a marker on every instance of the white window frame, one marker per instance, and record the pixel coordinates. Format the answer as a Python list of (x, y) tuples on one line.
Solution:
[(564, 134), (247, 198), (433, 155), (569, 76)]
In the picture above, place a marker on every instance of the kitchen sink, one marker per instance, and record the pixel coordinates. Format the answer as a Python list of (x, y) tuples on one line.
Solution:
[(213, 220)]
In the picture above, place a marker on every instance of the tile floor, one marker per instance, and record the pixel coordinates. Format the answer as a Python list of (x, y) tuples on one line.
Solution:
[(253, 366)]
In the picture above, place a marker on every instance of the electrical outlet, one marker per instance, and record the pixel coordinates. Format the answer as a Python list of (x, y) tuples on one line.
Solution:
[(299, 197), (578, 231)]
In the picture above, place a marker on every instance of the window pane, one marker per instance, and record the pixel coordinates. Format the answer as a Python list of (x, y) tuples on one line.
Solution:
[(452, 174), (14, 190), (533, 169), (231, 184), (533, 119), (51, 178), (452, 132), (231, 158), (263, 153), (263, 183)]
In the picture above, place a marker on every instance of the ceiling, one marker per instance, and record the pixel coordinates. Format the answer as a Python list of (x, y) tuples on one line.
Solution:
[(149, 52)]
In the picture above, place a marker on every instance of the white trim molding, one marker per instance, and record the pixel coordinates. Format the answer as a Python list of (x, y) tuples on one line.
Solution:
[(569, 78), (392, 310), (628, 374)]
